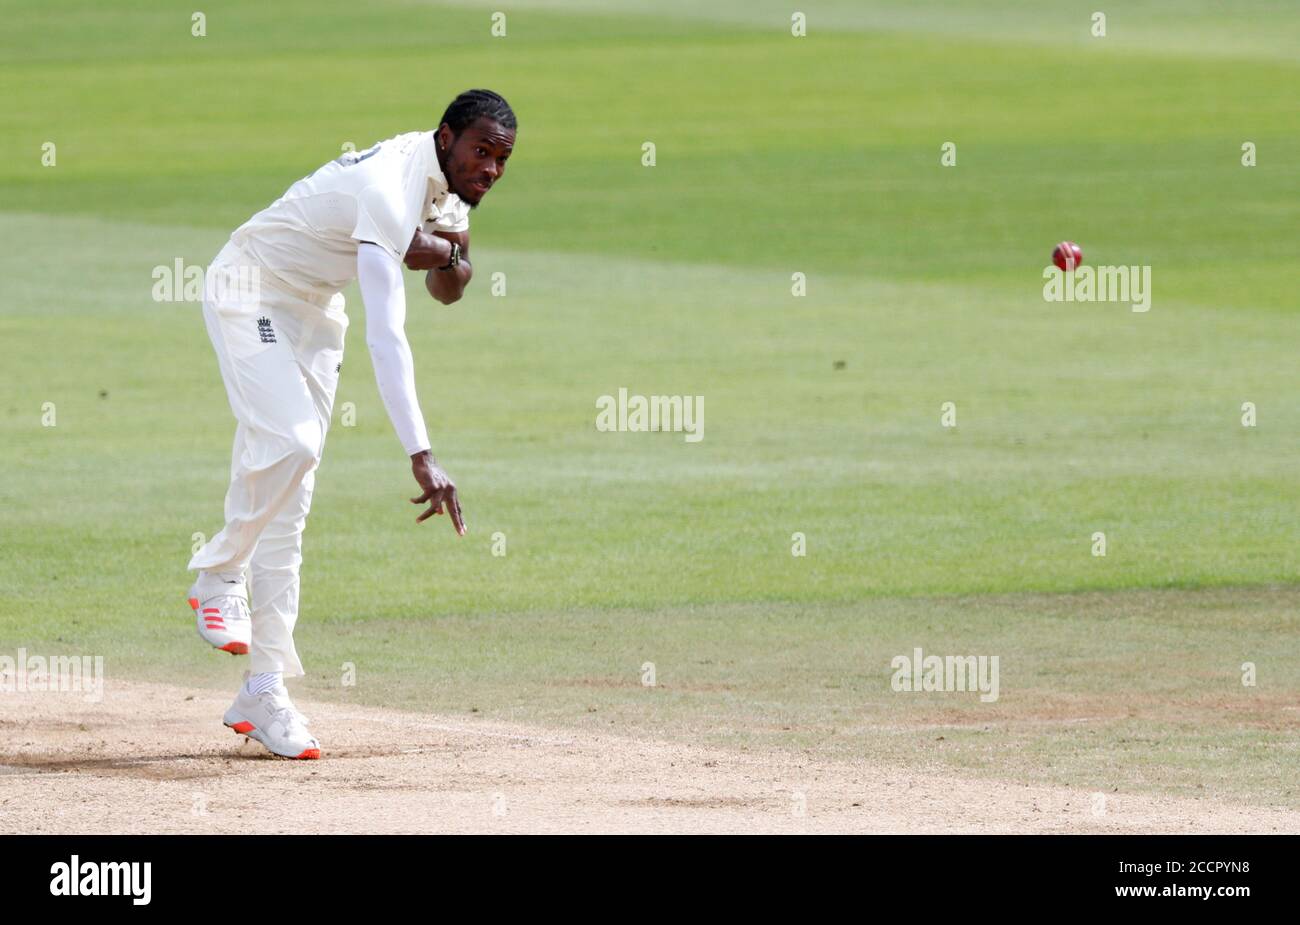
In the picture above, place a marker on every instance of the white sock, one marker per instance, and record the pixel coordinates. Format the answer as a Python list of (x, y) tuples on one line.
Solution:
[(257, 683)]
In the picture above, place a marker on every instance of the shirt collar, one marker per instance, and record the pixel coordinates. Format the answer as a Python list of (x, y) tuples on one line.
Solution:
[(439, 188), (435, 170)]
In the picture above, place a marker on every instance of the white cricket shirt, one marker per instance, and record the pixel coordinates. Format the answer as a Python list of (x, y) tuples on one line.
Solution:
[(308, 238)]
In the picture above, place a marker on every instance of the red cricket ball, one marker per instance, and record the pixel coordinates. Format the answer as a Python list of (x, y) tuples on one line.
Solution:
[(1067, 255)]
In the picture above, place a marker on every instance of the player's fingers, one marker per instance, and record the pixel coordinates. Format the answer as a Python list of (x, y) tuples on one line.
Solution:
[(453, 509), (428, 493), (426, 515)]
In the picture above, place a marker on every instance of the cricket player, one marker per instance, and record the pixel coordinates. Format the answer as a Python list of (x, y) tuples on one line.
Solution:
[(279, 345)]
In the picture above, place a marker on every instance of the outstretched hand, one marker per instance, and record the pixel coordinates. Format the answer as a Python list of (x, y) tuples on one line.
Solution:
[(438, 490)]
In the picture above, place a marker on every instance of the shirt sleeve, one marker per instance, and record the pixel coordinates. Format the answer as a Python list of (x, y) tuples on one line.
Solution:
[(450, 220), (380, 214), (379, 274)]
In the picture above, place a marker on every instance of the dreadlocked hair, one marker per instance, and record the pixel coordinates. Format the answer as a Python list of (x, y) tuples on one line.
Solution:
[(476, 104)]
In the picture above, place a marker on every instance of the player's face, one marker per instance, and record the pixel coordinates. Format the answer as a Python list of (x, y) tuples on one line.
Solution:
[(477, 159)]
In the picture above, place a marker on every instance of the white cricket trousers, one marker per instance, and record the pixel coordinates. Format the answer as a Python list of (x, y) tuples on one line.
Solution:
[(280, 351)]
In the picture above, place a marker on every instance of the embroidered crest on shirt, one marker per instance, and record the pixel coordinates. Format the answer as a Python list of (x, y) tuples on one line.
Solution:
[(264, 328)]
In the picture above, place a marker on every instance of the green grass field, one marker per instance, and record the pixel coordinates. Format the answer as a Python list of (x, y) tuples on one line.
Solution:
[(775, 155)]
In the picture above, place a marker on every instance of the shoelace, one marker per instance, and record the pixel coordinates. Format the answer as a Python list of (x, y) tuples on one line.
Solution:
[(239, 612), (285, 711)]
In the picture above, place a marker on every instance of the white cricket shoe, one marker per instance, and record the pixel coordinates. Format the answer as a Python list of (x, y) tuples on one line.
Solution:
[(272, 719), (221, 612)]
